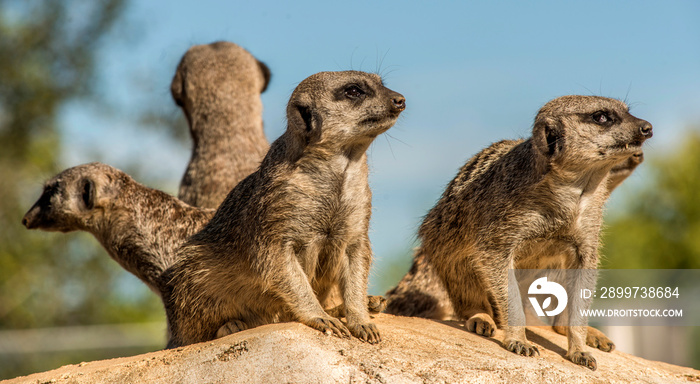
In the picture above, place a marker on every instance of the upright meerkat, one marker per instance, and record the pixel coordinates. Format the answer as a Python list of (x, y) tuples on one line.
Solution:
[(295, 227), (218, 87), (534, 203), (421, 293), (141, 228)]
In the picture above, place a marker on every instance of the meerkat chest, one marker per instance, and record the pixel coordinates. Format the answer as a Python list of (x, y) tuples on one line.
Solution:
[(577, 213), (333, 203)]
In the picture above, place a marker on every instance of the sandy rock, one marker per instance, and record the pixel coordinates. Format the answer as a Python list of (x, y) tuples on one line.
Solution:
[(412, 351)]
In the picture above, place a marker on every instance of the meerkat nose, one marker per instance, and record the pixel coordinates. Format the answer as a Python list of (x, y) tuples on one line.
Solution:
[(27, 223), (645, 129), (399, 103)]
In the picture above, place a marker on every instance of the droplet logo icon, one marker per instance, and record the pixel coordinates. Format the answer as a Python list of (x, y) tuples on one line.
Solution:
[(542, 286)]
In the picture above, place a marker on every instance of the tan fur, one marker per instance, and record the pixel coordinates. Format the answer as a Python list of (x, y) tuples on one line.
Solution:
[(139, 227), (218, 87), (622, 170), (293, 228), (534, 203), (421, 293)]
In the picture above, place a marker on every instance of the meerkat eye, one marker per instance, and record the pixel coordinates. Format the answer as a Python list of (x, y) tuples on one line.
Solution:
[(602, 118), (87, 194), (354, 92)]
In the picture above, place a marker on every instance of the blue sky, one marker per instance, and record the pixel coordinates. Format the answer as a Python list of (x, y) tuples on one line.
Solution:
[(472, 73)]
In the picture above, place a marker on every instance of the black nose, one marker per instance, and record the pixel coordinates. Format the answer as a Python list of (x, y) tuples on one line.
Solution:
[(25, 222), (645, 129), (399, 103)]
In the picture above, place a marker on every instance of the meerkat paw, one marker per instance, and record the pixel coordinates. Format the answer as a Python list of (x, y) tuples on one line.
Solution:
[(365, 332), (481, 324), (231, 327), (583, 358), (329, 326), (594, 338), (376, 304), (597, 339), (520, 347)]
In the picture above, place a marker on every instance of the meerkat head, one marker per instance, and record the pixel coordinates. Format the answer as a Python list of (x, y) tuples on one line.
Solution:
[(75, 198), (585, 131), (342, 107), (213, 73)]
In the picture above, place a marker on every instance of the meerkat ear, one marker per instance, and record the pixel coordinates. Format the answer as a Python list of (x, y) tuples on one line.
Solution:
[(87, 192), (176, 88), (548, 136), (266, 75), (304, 122)]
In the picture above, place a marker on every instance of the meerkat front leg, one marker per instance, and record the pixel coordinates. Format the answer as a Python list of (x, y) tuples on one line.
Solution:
[(508, 305), (292, 285), (594, 337), (513, 313), (578, 327), (353, 285)]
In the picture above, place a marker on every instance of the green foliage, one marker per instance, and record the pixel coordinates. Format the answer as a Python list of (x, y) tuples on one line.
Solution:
[(48, 51)]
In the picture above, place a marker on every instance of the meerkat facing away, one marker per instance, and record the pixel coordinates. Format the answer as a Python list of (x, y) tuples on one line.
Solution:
[(218, 87), (295, 227), (421, 293), (534, 203), (140, 227)]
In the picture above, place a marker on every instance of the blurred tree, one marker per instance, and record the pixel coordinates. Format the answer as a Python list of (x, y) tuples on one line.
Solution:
[(48, 51)]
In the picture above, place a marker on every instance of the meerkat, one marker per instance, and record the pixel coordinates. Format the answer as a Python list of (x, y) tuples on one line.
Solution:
[(295, 227), (218, 87), (534, 203), (421, 293), (140, 227)]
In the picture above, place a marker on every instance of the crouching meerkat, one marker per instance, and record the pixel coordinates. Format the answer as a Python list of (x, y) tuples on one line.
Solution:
[(421, 293), (218, 87), (534, 203), (295, 227), (141, 228)]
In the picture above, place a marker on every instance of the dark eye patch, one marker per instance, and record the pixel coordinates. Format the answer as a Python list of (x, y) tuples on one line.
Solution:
[(604, 118), (354, 92), (88, 194)]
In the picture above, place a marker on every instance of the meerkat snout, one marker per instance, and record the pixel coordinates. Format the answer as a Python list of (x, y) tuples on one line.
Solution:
[(646, 130), (399, 102)]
